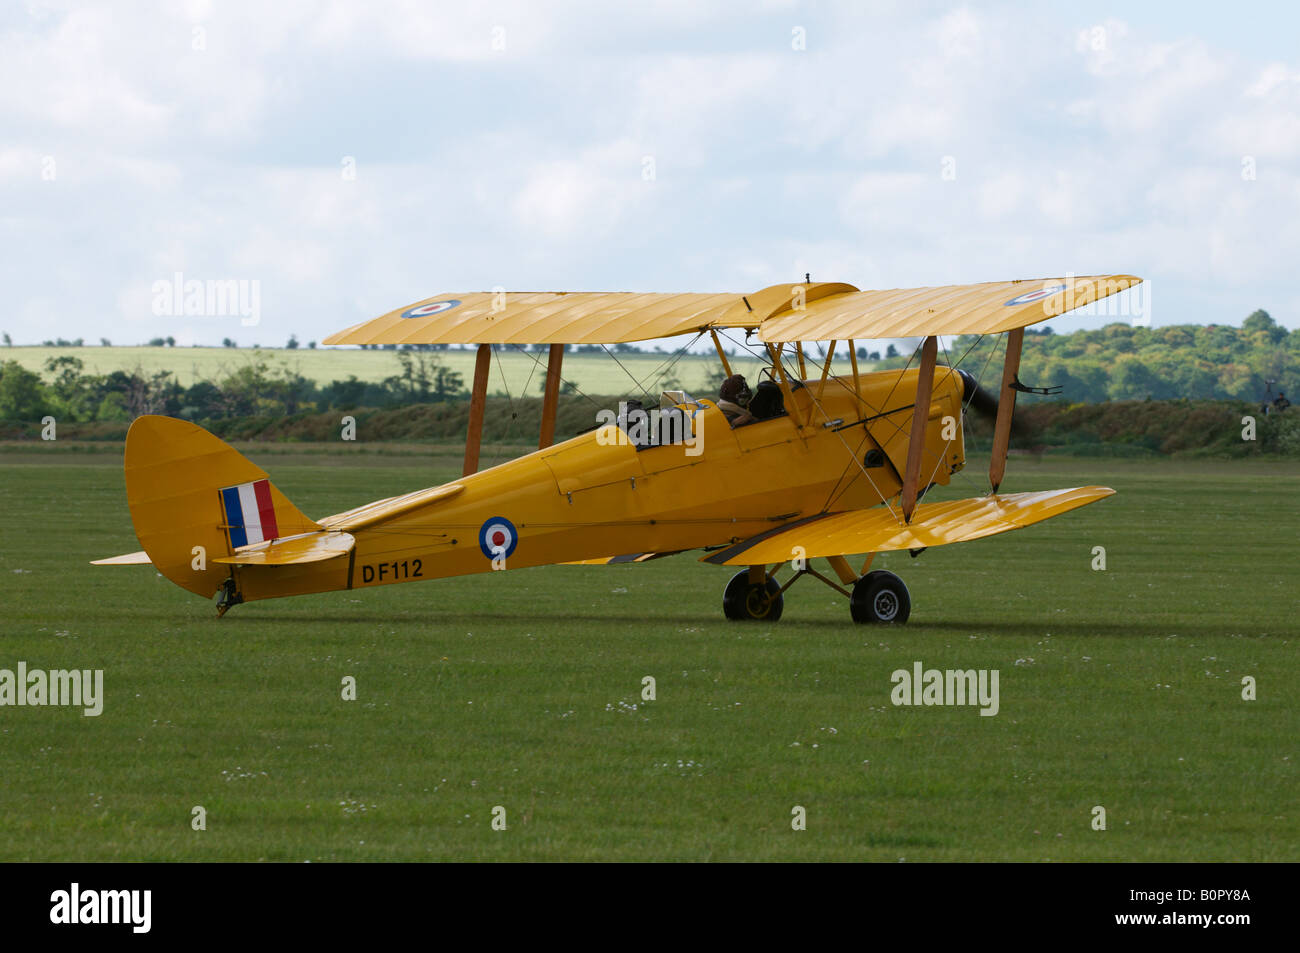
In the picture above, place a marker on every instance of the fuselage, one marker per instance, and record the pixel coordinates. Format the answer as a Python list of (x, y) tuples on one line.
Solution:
[(597, 495)]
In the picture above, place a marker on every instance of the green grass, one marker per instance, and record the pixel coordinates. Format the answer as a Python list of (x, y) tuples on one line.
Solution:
[(1118, 688), (592, 373)]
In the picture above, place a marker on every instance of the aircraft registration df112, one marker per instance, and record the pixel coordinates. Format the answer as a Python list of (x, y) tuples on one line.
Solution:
[(825, 465)]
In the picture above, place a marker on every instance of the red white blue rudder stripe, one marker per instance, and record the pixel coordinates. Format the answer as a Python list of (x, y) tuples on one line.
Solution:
[(250, 514)]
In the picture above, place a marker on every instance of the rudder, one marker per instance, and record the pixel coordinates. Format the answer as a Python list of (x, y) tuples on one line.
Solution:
[(187, 488)]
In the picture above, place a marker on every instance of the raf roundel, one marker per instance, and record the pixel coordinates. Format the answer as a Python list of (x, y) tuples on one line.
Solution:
[(432, 308), (498, 538), (1039, 295)]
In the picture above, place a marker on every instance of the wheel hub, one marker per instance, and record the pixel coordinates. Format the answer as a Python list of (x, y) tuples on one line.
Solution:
[(886, 605), (758, 602)]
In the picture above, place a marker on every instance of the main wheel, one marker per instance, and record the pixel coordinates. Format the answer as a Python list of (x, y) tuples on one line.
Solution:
[(880, 597), (743, 601)]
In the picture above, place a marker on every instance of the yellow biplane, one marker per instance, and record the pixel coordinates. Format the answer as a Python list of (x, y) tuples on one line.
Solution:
[(831, 465)]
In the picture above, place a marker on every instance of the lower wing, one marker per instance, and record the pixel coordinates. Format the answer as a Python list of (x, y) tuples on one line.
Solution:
[(881, 530)]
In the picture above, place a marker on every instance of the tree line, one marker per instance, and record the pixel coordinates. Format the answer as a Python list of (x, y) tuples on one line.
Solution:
[(1118, 362), (1126, 362), (258, 388)]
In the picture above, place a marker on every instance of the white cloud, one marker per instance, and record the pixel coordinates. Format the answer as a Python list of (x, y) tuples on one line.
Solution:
[(1080, 144)]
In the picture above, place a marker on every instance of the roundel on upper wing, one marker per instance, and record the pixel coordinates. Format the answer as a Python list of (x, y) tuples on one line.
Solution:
[(498, 537), (1031, 296), (432, 308)]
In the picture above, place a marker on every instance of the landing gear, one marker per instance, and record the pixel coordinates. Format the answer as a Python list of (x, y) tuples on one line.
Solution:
[(880, 597), (875, 597), (745, 601), (228, 595)]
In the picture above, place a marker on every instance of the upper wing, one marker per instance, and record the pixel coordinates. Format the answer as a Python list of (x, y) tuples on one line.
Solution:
[(952, 309), (797, 312), (541, 318), (933, 524)]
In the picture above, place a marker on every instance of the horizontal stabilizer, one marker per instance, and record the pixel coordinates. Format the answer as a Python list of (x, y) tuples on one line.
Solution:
[(880, 530), (288, 551), (127, 559)]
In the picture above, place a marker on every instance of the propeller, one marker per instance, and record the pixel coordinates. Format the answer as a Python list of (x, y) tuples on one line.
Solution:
[(983, 402), (976, 397)]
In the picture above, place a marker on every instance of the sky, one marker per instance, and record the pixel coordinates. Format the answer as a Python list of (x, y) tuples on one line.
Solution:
[(338, 160)]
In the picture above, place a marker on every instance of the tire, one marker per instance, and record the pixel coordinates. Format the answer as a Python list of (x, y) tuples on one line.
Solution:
[(744, 602), (880, 597)]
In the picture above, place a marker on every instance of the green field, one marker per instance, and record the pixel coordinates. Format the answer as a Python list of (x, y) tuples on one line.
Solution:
[(512, 370), (522, 689)]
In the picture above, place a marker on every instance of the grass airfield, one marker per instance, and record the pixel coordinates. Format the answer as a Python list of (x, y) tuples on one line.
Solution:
[(1119, 688)]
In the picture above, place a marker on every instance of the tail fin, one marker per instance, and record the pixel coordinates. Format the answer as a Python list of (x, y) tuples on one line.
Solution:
[(188, 489)]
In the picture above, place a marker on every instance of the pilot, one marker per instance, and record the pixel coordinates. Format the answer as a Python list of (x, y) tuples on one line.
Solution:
[(733, 400), (1281, 403)]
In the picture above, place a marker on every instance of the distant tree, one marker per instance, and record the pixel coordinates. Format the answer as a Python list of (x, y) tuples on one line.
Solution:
[(23, 395), (292, 343), (171, 341), (202, 400), (714, 375), (1120, 338), (157, 342), (71, 389), (1261, 322), (1077, 382), (1132, 379), (311, 345), (1226, 340), (344, 395), (891, 351), (228, 342), (105, 342), (423, 379), (9, 342)]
